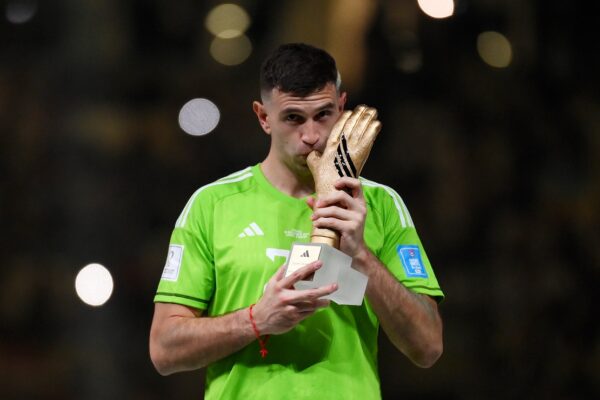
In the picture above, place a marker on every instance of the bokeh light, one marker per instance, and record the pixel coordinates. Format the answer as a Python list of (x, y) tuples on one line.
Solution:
[(20, 11), (231, 51), (409, 57), (94, 284), (227, 21), (199, 117), (494, 49), (437, 8)]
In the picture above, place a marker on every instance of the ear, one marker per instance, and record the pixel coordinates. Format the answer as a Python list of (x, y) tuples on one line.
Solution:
[(261, 114), (342, 101)]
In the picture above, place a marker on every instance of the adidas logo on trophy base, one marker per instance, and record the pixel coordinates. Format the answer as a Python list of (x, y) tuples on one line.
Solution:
[(337, 268)]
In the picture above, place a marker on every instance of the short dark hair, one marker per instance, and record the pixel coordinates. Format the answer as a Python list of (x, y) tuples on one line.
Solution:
[(298, 68)]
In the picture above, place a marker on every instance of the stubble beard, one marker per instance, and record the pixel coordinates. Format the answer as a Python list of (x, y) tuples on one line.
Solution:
[(299, 167)]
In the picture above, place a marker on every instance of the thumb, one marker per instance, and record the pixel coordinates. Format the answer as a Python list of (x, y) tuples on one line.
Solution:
[(280, 274), (313, 159)]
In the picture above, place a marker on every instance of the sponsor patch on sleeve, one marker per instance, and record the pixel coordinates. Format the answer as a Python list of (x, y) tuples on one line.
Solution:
[(410, 256), (171, 270)]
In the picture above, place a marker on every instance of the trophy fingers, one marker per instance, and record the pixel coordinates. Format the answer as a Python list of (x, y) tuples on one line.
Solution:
[(313, 160), (362, 147), (334, 137), (364, 122), (372, 131), (349, 127)]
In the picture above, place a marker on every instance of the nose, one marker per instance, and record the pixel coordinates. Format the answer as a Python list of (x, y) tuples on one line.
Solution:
[(310, 133)]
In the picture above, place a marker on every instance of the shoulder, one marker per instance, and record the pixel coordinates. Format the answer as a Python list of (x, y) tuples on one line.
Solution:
[(381, 197), (208, 195), (227, 186), (377, 192)]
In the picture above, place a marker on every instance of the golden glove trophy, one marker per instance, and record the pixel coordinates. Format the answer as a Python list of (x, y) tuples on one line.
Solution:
[(345, 154)]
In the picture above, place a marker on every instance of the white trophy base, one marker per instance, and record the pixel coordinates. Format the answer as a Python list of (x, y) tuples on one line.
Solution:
[(337, 268)]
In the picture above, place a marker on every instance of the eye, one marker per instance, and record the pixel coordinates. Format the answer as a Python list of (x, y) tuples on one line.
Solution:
[(323, 114), (294, 118)]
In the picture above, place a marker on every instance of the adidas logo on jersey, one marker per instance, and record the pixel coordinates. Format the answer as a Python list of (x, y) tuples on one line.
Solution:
[(252, 230), (305, 254)]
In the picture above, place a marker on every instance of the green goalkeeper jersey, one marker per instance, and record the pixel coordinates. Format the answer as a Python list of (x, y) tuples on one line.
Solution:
[(231, 238)]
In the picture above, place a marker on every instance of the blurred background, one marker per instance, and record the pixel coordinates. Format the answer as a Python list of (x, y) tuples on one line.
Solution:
[(491, 116)]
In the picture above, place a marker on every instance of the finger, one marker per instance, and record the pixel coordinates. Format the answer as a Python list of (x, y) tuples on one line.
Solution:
[(308, 306), (349, 183), (334, 212), (334, 137), (312, 295), (364, 121), (278, 275), (313, 307), (350, 124), (370, 134), (306, 313), (322, 303), (345, 227), (339, 197), (300, 274)]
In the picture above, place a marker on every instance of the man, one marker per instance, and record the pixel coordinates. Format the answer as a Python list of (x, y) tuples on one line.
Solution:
[(234, 234)]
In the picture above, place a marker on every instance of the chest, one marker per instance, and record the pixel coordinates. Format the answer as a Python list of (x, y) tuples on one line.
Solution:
[(252, 239)]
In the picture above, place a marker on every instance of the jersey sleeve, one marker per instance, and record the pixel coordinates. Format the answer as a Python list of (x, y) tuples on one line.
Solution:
[(188, 274), (402, 251)]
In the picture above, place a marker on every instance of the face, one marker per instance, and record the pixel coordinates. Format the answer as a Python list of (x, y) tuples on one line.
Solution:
[(299, 125)]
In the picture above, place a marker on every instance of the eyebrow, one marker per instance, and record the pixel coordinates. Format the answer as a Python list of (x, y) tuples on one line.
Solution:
[(295, 110)]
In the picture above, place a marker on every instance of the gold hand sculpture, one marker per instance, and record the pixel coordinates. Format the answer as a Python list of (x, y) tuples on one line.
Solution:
[(345, 154)]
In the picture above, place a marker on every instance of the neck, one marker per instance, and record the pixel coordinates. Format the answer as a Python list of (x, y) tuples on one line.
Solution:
[(293, 180)]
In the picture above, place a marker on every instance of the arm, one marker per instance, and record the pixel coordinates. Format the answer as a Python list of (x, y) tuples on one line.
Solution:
[(410, 320), (181, 339)]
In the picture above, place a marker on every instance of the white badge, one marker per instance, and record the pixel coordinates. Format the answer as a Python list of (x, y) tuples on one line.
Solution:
[(171, 270)]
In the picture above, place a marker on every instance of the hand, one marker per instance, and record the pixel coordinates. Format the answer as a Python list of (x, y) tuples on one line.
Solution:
[(345, 211), (347, 148), (345, 154), (282, 307)]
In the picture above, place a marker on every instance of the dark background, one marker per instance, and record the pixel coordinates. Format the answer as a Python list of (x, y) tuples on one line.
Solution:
[(499, 168)]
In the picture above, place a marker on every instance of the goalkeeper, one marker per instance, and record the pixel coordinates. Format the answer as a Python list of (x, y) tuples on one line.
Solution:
[(223, 301)]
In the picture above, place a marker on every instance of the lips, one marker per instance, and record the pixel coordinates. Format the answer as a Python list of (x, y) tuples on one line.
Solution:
[(306, 153)]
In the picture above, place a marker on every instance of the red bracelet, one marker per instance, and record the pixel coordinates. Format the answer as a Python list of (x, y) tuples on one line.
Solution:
[(262, 343)]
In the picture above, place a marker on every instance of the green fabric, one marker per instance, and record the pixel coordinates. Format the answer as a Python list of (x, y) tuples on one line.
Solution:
[(234, 234)]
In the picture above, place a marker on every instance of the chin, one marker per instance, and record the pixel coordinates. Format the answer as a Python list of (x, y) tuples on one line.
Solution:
[(302, 165), (301, 159)]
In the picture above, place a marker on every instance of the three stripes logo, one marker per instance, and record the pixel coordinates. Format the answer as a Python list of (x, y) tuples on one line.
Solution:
[(343, 162), (252, 230), (305, 254)]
